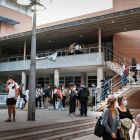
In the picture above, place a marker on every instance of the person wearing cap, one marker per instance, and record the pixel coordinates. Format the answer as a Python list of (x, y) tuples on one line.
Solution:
[(12, 87)]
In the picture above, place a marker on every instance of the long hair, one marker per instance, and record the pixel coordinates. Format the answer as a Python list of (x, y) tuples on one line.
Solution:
[(119, 100), (110, 104), (20, 89)]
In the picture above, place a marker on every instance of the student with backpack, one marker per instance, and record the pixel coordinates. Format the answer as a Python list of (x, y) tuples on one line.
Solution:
[(73, 94), (83, 94)]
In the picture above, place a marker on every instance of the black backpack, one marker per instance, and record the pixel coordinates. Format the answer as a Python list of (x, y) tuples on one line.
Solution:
[(73, 95), (84, 92), (99, 128)]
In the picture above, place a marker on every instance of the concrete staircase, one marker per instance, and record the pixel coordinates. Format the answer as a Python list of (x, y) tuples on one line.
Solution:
[(57, 131), (127, 90), (117, 68)]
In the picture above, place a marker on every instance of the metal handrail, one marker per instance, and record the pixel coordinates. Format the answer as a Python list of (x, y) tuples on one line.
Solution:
[(49, 53)]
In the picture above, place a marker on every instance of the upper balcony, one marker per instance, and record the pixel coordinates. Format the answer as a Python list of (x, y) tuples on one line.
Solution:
[(86, 57)]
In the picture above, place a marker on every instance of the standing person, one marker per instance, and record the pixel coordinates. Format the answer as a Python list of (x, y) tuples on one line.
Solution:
[(124, 113), (93, 94), (106, 87), (77, 48), (59, 97), (72, 100), (21, 94), (110, 119), (54, 94), (46, 96), (38, 96), (24, 92), (12, 87), (83, 94), (27, 95), (137, 128), (102, 96), (134, 66), (64, 93), (69, 93)]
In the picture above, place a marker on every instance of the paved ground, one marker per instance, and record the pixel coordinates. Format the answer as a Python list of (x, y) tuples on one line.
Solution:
[(44, 117)]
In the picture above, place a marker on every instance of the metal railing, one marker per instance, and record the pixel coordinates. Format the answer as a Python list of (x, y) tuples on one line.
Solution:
[(114, 85), (60, 54)]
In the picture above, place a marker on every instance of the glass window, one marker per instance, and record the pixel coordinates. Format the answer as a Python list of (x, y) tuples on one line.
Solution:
[(8, 3), (61, 78), (68, 80), (40, 79)]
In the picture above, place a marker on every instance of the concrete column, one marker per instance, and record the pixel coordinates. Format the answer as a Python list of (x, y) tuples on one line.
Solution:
[(100, 75), (23, 78), (99, 39), (83, 78), (56, 77), (51, 82), (24, 58)]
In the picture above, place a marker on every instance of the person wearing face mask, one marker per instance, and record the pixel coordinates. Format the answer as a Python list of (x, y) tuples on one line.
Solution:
[(54, 96), (13, 89), (110, 119), (64, 93), (93, 95), (124, 113)]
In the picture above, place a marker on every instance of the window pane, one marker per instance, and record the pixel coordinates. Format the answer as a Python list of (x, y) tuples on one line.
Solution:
[(61, 82), (47, 78), (61, 78), (77, 78), (40, 82), (69, 78), (46, 82)]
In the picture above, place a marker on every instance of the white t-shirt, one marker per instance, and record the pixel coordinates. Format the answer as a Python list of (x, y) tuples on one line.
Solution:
[(77, 47), (12, 91)]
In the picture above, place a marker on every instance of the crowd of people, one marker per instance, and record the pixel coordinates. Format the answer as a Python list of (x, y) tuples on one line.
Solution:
[(58, 95), (77, 48)]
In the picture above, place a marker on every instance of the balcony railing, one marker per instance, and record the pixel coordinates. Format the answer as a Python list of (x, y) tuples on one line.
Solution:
[(60, 53)]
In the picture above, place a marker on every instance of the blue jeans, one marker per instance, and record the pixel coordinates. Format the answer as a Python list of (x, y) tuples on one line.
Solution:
[(25, 100), (59, 103), (124, 79)]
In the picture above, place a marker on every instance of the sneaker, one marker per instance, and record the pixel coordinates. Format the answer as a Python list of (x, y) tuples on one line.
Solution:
[(46, 109), (74, 115), (63, 109), (8, 120), (71, 115)]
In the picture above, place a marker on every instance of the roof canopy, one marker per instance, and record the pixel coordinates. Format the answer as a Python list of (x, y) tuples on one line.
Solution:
[(64, 34)]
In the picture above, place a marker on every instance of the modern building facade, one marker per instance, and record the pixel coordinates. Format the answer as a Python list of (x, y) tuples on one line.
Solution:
[(108, 33)]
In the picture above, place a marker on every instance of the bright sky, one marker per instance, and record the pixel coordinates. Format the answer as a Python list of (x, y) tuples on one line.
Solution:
[(64, 9)]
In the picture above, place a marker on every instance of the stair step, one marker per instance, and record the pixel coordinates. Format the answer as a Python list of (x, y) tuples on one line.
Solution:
[(27, 130), (71, 135), (50, 133)]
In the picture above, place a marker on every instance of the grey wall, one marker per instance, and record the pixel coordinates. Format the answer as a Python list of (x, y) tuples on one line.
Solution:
[(62, 61)]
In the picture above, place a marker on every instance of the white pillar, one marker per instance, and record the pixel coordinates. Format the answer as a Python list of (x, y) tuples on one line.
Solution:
[(83, 78), (24, 57), (99, 39), (56, 77), (23, 78), (100, 75)]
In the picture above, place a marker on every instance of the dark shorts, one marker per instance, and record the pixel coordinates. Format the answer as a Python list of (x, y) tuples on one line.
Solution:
[(11, 101)]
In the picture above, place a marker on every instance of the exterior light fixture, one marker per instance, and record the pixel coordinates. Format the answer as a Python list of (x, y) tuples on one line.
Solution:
[(113, 21), (81, 36), (49, 41), (35, 5)]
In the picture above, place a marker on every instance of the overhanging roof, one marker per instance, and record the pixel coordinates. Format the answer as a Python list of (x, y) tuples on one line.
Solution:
[(64, 34), (7, 20)]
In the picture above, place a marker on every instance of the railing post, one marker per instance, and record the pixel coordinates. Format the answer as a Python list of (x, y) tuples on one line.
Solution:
[(111, 87)]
